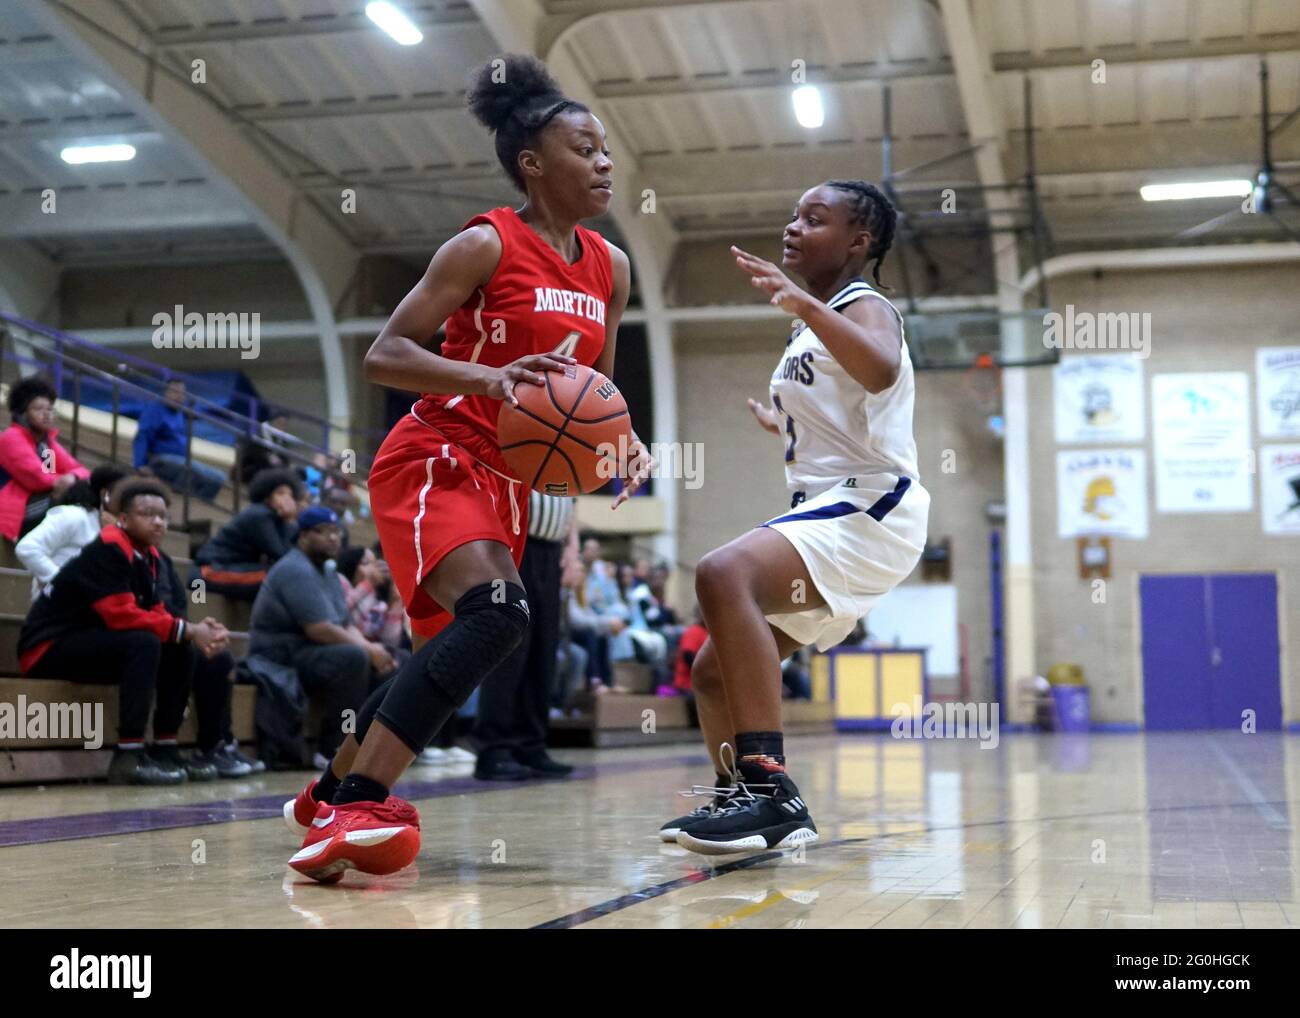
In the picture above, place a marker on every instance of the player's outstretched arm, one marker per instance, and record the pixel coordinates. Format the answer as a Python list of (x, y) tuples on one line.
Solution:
[(864, 337), (400, 357)]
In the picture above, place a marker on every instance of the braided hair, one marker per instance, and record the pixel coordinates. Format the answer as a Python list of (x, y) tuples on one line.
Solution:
[(515, 97), (876, 214)]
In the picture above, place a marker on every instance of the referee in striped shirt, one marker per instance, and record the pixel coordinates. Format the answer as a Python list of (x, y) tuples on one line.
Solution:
[(514, 699)]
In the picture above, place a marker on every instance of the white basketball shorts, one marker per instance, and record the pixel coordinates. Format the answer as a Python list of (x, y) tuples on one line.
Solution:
[(859, 540)]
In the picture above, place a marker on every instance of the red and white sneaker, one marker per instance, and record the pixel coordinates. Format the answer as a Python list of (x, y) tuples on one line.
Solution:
[(299, 812), (373, 837)]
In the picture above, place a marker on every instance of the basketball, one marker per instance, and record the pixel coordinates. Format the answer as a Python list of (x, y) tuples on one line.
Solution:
[(564, 437)]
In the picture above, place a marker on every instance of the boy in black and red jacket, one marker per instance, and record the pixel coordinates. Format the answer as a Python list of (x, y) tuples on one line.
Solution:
[(104, 621)]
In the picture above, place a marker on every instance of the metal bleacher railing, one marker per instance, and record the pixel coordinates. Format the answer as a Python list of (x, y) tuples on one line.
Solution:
[(78, 368)]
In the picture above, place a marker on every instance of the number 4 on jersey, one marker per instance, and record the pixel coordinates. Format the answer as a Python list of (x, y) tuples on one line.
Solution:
[(569, 344)]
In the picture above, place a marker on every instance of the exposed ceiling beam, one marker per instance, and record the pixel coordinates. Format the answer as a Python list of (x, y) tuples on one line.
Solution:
[(377, 106), (322, 24), (591, 8), (193, 251), (772, 78), (28, 50), (72, 128), (1205, 49), (119, 210), (873, 72), (430, 175)]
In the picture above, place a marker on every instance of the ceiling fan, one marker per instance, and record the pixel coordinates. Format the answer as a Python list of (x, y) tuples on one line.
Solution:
[(1268, 194)]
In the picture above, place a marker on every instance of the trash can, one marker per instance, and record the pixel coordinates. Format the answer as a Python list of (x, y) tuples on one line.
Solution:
[(1069, 697), (1071, 708)]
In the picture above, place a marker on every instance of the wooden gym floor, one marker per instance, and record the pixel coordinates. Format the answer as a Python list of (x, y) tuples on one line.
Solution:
[(1107, 830)]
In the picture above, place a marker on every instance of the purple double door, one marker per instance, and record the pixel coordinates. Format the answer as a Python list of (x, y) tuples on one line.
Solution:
[(1210, 651)]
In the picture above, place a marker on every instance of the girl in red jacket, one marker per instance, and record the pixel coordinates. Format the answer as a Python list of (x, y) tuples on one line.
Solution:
[(34, 468)]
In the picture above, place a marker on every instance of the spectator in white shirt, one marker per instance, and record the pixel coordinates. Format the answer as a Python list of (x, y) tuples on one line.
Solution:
[(68, 527)]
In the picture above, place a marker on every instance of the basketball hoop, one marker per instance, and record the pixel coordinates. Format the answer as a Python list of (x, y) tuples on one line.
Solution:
[(983, 380)]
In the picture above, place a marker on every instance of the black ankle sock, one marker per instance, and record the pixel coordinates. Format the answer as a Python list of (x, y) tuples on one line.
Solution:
[(761, 744), (326, 786), (760, 754), (359, 788)]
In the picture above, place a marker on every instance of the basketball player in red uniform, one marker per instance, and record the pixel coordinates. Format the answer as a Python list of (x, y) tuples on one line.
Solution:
[(521, 293)]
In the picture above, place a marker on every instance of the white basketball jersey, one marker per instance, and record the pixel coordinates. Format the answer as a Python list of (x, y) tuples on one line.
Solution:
[(834, 428)]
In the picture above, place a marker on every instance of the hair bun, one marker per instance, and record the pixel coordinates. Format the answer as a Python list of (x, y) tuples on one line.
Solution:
[(506, 84)]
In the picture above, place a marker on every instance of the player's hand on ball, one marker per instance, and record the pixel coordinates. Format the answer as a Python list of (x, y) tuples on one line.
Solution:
[(640, 464), (776, 284), (766, 416), (502, 381)]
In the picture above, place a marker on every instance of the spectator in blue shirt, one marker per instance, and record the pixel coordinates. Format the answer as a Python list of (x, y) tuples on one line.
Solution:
[(160, 446)]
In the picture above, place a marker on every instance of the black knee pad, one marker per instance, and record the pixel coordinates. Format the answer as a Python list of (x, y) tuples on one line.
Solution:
[(489, 622)]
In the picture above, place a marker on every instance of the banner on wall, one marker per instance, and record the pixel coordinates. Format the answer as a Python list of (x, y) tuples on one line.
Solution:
[(1279, 486), (1101, 491), (1203, 454), (1277, 375), (1099, 398)]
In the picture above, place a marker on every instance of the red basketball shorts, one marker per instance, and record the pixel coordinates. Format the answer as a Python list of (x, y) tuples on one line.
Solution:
[(428, 497)]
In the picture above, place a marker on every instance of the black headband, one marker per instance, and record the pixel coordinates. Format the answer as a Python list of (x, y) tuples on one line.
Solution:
[(558, 108)]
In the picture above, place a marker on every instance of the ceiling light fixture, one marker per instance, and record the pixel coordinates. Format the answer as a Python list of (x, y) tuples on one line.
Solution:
[(808, 106), (1196, 189)]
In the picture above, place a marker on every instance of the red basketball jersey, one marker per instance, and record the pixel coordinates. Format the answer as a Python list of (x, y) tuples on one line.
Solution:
[(534, 303)]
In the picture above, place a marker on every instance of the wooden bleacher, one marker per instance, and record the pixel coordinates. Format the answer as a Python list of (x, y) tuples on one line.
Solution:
[(45, 760)]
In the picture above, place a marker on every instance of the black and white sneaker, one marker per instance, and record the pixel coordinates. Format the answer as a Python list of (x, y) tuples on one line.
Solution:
[(720, 797), (195, 768), (137, 767), (755, 818), (229, 762), (231, 751)]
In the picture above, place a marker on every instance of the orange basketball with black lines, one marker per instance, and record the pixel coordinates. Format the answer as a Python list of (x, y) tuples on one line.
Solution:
[(565, 437)]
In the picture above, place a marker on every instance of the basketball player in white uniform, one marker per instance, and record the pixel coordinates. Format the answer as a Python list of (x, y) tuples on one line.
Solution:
[(842, 399)]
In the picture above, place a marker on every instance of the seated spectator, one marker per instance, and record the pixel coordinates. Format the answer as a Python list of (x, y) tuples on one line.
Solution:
[(324, 475), (104, 621), (34, 468), (264, 451), (341, 501), (603, 598), (300, 619), (213, 685), (160, 445), (658, 613), (374, 605), (69, 526), (571, 657), (647, 646), (589, 629), (235, 560)]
